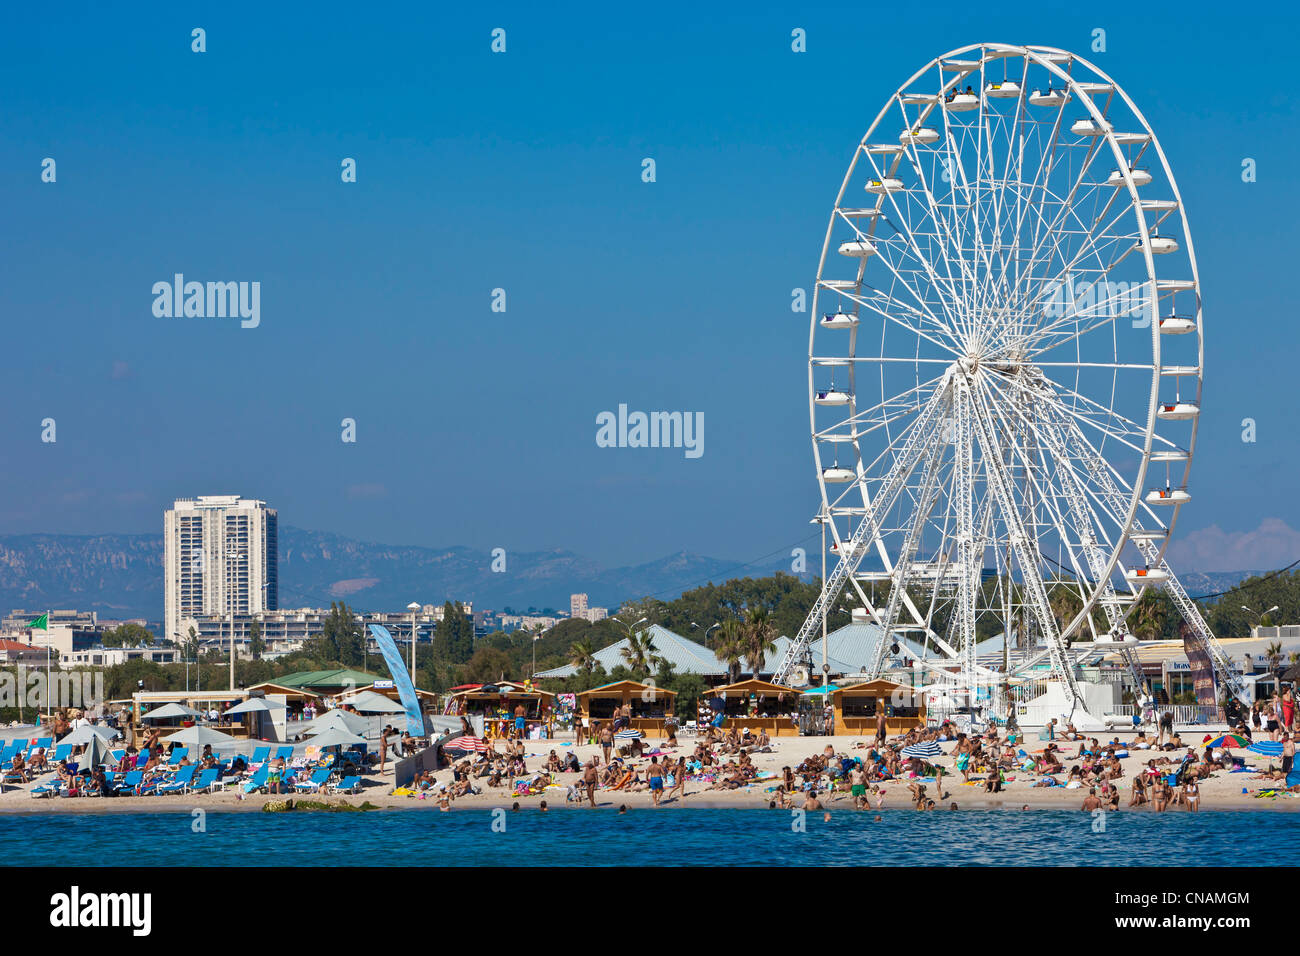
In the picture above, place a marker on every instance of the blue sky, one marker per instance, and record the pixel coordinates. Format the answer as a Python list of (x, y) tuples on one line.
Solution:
[(522, 171)]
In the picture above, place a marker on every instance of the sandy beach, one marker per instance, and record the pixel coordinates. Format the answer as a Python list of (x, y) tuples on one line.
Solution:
[(1222, 791)]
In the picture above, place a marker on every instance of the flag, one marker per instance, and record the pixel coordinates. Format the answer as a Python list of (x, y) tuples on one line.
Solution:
[(42, 623)]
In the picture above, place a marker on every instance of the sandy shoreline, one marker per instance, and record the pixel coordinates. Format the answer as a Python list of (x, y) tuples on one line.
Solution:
[(1220, 792)]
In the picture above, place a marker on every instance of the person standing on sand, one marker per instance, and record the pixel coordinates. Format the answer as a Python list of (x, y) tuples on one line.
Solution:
[(858, 786), (1288, 754), (679, 778), (880, 729), (589, 778), (606, 740), (655, 777)]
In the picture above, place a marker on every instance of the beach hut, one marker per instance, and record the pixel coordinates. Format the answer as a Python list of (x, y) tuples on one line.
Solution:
[(857, 705), (650, 705), (496, 705), (759, 705)]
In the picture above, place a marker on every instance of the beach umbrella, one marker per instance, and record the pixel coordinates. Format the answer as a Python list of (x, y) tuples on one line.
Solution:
[(96, 753), (1266, 748), (368, 702), (718, 704), (200, 737), (336, 737), (628, 734), (338, 719), (170, 712), (1227, 741), (83, 735), (819, 691), (924, 750), (254, 705), (466, 743)]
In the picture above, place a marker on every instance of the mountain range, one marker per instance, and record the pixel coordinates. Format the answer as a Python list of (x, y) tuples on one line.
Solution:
[(120, 575)]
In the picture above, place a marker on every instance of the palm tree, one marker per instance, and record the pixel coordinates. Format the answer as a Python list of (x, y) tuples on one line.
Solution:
[(758, 642), (729, 647), (1148, 618), (641, 654), (582, 655), (1273, 653)]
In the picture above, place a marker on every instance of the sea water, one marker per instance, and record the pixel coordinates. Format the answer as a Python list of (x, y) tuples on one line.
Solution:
[(647, 837)]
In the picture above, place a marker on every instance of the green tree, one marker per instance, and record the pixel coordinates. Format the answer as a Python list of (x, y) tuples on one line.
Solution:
[(641, 654), (1148, 617), (256, 644), (129, 634), (758, 638), (340, 639), (583, 656), (729, 647), (453, 640), (487, 665)]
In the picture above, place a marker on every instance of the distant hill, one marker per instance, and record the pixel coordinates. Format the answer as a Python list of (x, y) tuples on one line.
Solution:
[(1200, 583), (120, 575)]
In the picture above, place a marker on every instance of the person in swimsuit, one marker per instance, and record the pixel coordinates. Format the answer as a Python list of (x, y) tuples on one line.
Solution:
[(1192, 795), (606, 738), (655, 777), (589, 777)]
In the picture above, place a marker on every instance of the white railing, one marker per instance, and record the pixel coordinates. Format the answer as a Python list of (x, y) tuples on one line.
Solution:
[(1185, 715)]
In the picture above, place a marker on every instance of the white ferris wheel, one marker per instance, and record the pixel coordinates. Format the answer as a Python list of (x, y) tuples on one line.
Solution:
[(1005, 364)]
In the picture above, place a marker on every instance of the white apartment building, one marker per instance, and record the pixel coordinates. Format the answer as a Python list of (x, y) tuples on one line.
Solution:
[(577, 605), (221, 555)]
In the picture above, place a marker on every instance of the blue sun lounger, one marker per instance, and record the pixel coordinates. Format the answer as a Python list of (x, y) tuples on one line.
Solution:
[(260, 755), (285, 753), (180, 782), (207, 780), (348, 785), (177, 756), (317, 780)]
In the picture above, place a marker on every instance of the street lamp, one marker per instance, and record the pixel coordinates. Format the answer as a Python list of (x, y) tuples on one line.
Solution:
[(414, 608), (1259, 618), (707, 631)]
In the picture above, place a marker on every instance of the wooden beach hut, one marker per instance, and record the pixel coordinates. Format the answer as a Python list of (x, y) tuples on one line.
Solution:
[(496, 703), (650, 705), (759, 705), (857, 705)]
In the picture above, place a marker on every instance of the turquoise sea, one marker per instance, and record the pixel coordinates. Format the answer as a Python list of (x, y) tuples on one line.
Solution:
[(646, 837)]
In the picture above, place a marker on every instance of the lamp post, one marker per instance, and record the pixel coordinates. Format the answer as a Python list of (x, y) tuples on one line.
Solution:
[(1259, 617), (414, 608)]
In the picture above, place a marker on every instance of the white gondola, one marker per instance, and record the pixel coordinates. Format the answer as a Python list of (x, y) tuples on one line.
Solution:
[(1048, 97), (831, 396), (883, 149), (838, 475), (857, 248), (1177, 371), (1177, 411), (1006, 90), (920, 99), (961, 102), (1132, 139), (1167, 496), (1177, 325), (843, 547), (839, 320), (1141, 177), (921, 135), (1096, 89), (1141, 576), (882, 186), (1175, 285), (1087, 127), (1161, 245), (1169, 456), (1116, 640)]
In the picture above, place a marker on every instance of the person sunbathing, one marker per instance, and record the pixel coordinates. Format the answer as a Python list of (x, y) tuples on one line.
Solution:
[(38, 764), (1048, 781), (553, 764), (18, 768)]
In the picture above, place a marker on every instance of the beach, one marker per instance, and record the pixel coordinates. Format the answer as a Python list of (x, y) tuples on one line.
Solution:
[(1222, 791)]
